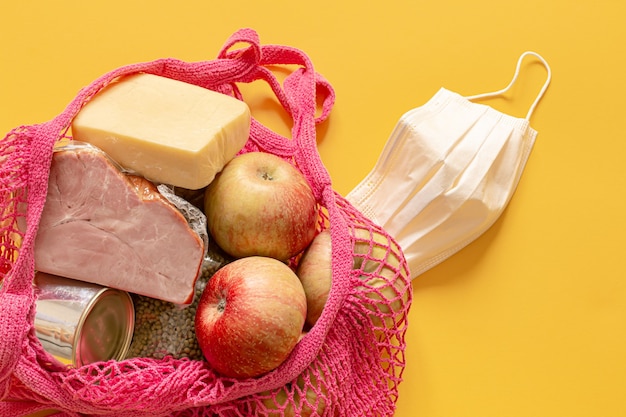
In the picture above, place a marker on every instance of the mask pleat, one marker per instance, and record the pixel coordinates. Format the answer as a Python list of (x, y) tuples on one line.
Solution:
[(467, 139)]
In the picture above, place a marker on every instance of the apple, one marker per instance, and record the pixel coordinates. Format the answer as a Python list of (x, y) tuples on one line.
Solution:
[(250, 316), (306, 400), (386, 282), (315, 273), (376, 256), (261, 205)]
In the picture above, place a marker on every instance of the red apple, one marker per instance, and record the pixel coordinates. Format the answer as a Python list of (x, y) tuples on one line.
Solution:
[(250, 316), (315, 273), (261, 205)]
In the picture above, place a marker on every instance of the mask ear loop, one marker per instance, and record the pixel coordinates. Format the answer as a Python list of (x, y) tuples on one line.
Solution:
[(515, 76)]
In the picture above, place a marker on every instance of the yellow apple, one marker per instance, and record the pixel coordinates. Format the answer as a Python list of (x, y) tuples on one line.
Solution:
[(261, 205), (386, 283), (378, 259), (280, 405), (315, 273)]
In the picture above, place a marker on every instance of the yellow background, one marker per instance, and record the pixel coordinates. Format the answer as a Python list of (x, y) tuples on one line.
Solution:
[(530, 319)]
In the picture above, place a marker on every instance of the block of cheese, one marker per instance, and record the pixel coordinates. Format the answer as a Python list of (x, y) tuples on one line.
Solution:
[(165, 130)]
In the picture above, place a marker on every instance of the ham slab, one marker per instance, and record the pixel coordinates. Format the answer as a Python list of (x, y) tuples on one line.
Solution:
[(104, 226)]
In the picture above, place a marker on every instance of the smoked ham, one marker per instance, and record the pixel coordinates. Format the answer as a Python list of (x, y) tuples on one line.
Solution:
[(104, 226)]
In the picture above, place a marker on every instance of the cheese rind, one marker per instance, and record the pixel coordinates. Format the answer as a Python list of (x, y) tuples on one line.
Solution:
[(165, 130)]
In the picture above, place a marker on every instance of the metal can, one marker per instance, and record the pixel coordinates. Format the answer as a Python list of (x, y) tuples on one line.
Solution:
[(80, 323)]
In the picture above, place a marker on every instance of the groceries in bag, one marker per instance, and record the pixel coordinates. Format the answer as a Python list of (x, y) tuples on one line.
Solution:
[(336, 368)]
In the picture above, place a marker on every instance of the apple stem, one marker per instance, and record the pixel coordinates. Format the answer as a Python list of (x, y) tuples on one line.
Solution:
[(221, 305)]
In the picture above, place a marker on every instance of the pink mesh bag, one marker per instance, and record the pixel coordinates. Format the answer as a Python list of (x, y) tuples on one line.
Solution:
[(349, 364)]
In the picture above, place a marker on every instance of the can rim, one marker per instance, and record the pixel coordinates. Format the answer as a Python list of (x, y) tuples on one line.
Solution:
[(124, 347)]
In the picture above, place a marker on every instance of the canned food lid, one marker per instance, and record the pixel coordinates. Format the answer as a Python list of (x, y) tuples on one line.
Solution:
[(106, 328)]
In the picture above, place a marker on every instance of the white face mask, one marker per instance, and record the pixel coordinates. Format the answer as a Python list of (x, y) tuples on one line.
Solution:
[(446, 173)]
